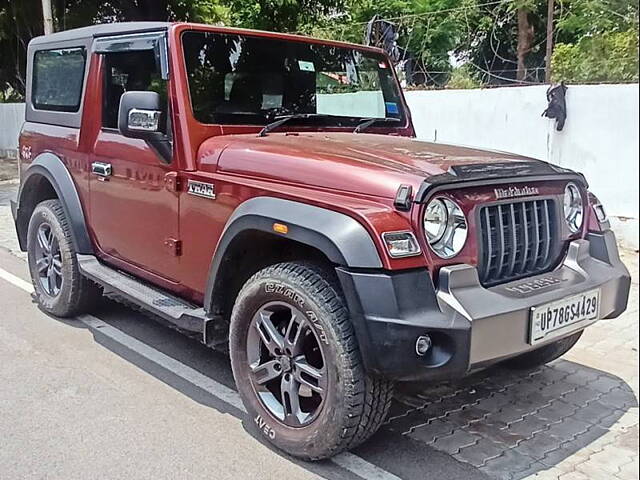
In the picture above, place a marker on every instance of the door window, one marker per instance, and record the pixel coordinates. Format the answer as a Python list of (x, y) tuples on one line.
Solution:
[(126, 72)]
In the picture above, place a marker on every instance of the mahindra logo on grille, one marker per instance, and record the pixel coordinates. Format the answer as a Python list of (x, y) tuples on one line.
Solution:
[(512, 192)]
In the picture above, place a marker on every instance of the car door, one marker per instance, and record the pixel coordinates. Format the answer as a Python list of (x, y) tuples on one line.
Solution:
[(134, 209)]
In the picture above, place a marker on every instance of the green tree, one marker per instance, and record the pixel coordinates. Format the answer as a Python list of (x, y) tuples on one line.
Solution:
[(603, 57), (20, 21)]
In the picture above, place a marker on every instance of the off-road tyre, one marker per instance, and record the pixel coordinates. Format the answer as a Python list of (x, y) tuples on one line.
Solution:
[(543, 355), (356, 403), (76, 293)]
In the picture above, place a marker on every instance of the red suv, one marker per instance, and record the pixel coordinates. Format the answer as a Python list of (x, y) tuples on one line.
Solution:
[(263, 193)]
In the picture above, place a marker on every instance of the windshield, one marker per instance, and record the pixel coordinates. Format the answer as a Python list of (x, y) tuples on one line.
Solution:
[(243, 80)]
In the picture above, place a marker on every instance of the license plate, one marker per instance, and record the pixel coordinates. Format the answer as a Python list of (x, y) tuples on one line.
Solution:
[(554, 318)]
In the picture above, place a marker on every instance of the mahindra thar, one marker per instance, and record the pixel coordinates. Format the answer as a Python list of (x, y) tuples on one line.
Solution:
[(264, 193)]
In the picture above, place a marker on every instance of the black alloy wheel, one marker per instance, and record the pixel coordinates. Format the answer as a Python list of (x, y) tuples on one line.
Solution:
[(48, 260), (288, 368)]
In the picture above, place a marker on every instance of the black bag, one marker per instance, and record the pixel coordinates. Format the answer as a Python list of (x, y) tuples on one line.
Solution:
[(557, 107)]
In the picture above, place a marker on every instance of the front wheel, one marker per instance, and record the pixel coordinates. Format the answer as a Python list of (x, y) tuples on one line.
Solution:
[(297, 366)]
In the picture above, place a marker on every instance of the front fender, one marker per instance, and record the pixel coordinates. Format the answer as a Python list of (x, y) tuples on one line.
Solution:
[(342, 239)]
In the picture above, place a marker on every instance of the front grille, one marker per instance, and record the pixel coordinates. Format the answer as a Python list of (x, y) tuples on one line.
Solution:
[(518, 239)]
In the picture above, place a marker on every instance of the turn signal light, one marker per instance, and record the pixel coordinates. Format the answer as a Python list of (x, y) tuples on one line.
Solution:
[(280, 228)]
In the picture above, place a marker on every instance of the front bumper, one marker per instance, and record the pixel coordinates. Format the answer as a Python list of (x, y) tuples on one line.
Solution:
[(471, 326)]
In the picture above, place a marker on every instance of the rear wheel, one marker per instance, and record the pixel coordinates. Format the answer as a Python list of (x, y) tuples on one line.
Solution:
[(543, 355), (59, 287), (297, 365)]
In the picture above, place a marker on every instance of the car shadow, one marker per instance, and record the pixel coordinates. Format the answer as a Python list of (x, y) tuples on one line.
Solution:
[(512, 424), (494, 424)]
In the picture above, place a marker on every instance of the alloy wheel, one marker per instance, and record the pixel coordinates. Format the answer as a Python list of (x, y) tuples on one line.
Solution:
[(48, 260), (287, 366)]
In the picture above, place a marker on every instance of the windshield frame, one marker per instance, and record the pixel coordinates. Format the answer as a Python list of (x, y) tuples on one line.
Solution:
[(404, 125)]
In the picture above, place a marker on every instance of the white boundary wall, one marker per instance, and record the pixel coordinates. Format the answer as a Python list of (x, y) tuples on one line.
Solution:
[(11, 119), (600, 137)]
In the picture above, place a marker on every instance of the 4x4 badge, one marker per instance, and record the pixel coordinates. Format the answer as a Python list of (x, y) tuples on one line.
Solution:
[(201, 189)]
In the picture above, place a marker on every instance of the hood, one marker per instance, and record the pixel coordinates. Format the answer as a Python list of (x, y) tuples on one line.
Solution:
[(359, 163)]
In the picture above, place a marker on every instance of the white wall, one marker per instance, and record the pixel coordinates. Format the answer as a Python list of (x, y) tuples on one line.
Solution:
[(360, 104), (600, 138), (11, 119)]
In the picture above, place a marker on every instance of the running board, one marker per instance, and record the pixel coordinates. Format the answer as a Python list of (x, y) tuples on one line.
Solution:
[(174, 310)]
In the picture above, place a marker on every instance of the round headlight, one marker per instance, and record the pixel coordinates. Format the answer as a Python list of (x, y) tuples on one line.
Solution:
[(435, 220), (573, 208), (445, 227)]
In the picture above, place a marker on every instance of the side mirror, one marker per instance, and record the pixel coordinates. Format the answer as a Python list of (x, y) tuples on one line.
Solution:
[(139, 116)]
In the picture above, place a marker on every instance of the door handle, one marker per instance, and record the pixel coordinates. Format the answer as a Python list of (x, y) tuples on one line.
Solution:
[(101, 169)]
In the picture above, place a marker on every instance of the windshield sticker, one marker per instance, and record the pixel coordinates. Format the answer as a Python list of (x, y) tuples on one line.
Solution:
[(391, 107), (306, 66)]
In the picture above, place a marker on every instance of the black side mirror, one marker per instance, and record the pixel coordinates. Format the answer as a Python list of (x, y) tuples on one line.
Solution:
[(139, 116)]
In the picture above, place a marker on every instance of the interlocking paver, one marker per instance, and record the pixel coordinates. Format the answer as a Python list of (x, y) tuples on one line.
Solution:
[(629, 471), (528, 426), (429, 433), (556, 411), (538, 445), (533, 469), (575, 475), (480, 453), (581, 396), (593, 472), (507, 464), (593, 412), (604, 383), (568, 428), (455, 442), (619, 397)]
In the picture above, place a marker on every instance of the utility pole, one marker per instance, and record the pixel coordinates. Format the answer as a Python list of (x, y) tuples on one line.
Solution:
[(547, 69), (47, 16)]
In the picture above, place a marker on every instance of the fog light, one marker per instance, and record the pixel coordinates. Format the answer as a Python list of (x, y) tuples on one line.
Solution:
[(423, 345)]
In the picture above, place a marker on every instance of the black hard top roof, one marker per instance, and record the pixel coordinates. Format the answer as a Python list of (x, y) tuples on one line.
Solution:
[(102, 30)]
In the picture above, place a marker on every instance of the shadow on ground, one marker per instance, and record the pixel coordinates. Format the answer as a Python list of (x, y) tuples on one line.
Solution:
[(494, 424), (514, 424)]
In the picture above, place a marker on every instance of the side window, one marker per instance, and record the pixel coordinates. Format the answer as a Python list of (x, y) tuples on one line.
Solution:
[(126, 72), (58, 76)]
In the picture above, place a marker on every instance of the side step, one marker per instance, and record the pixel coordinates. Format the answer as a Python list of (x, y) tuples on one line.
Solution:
[(176, 311)]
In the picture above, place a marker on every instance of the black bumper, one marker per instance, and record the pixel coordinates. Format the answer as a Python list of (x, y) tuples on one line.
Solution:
[(470, 326)]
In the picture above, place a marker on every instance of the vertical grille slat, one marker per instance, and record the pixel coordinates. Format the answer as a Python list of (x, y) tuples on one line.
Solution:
[(525, 229), (514, 232), (546, 228), (536, 236), (517, 239), (487, 240), (500, 250)]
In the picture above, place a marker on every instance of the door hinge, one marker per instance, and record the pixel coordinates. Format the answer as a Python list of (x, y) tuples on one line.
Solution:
[(174, 246), (172, 182)]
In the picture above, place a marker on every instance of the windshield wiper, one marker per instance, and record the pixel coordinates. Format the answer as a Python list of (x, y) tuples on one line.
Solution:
[(285, 118), (367, 122)]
